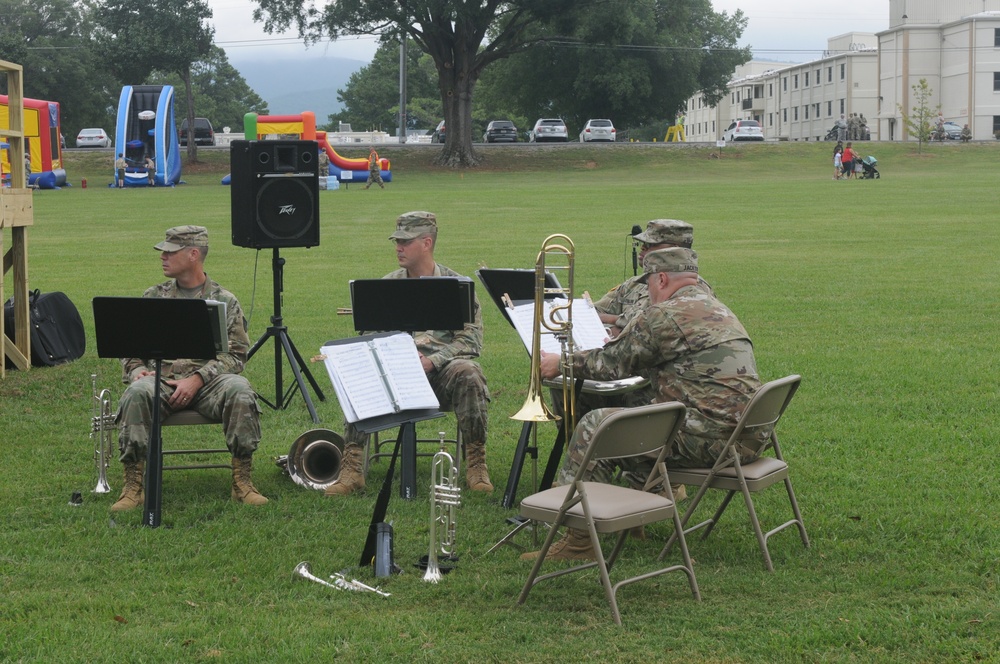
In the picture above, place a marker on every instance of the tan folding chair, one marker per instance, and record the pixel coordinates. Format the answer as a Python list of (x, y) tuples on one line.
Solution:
[(728, 474), (192, 418), (605, 508)]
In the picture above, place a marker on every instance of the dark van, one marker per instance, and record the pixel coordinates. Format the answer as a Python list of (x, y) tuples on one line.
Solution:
[(203, 133)]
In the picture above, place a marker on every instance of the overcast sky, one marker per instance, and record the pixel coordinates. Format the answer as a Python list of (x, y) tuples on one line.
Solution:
[(793, 30)]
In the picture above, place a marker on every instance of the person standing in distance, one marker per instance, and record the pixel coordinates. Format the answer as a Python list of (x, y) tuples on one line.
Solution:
[(374, 170)]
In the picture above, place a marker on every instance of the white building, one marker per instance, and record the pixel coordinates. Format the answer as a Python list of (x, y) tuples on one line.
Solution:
[(954, 45)]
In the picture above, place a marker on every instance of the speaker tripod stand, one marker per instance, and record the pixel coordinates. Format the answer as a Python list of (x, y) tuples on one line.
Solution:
[(282, 342)]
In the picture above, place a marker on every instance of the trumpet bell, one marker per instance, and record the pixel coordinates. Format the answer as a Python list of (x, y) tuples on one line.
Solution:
[(315, 458)]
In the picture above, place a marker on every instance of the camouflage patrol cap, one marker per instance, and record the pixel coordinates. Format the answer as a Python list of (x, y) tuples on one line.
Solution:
[(674, 259), (179, 237), (668, 231), (411, 225)]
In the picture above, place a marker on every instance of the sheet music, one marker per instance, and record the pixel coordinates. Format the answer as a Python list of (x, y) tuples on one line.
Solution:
[(405, 374), (363, 389), (588, 330)]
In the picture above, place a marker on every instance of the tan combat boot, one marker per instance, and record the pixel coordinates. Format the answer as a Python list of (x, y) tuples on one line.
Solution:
[(477, 476), (352, 472), (132, 494), (243, 489), (574, 545)]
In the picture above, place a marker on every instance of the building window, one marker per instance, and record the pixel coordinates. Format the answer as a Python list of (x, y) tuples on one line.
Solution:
[(805, 109), (996, 37), (841, 105), (795, 82), (770, 119), (829, 109), (829, 74), (770, 89), (996, 124), (843, 72), (817, 77), (784, 115), (806, 80), (795, 113), (996, 81), (784, 84)]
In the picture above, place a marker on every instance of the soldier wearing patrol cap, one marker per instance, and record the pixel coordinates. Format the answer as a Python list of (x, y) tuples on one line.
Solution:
[(210, 387), (692, 349), (447, 357)]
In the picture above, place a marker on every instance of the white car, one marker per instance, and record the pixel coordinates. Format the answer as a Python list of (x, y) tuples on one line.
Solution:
[(548, 129), (598, 130), (743, 130), (93, 137)]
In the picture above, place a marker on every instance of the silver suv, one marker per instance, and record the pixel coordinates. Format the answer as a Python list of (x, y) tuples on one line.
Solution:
[(548, 129)]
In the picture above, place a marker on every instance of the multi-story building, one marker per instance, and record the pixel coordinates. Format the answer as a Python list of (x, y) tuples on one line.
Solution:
[(954, 46)]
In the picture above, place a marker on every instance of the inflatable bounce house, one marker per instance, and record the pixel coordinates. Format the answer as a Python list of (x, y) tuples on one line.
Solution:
[(42, 132), (304, 128), (146, 128)]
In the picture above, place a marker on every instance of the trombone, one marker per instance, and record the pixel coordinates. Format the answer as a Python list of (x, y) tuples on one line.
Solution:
[(557, 253)]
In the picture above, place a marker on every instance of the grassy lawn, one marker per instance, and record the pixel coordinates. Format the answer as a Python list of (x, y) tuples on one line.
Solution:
[(881, 294)]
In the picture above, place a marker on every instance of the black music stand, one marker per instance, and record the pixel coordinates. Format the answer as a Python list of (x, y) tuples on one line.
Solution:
[(406, 305), (282, 342), (153, 329)]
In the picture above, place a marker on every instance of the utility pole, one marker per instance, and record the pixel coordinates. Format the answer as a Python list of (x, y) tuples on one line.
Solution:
[(402, 89)]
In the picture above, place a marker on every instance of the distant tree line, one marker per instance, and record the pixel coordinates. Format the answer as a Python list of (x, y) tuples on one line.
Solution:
[(80, 54)]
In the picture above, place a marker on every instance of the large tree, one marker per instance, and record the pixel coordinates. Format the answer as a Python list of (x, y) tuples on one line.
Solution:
[(462, 38), (50, 40), (634, 61), (166, 35)]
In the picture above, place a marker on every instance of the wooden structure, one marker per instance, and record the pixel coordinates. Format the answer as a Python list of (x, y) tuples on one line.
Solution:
[(16, 213)]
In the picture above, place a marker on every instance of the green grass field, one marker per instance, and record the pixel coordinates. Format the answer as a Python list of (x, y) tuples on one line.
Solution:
[(881, 294)]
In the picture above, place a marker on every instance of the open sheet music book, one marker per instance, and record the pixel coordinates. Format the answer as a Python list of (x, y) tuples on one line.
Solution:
[(588, 330), (377, 375)]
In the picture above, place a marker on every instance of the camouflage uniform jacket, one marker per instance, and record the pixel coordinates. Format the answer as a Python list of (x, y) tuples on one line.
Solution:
[(442, 346), (629, 298), (694, 350), (224, 363)]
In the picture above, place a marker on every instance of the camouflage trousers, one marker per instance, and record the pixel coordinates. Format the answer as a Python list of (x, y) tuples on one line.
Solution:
[(459, 386), (686, 451), (227, 397), (374, 177)]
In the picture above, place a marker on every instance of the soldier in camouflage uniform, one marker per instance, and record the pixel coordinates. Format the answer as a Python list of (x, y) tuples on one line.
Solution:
[(374, 170), (210, 387), (447, 357), (694, 350)]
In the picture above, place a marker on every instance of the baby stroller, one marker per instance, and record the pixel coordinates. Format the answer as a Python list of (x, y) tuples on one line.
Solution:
[(868, 170)]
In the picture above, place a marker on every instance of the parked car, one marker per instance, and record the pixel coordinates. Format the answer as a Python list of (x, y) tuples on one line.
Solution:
[(598, 130), (438, 136), (203, 132), (548, 129), (952, 131), (500, 130), (93, 137), (743, 130)]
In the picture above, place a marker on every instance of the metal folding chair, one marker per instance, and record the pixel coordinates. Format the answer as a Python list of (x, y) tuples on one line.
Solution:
[(599, 508), (729, 475)]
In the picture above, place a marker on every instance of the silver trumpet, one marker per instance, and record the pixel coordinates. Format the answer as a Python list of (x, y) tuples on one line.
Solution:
[(340, 582), (445, 500), (102, 427)]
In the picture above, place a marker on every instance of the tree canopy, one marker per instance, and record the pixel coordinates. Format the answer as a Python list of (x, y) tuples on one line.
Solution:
[(634, 60)]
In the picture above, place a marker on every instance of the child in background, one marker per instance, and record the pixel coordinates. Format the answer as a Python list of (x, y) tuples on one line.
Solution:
[(838, 164)]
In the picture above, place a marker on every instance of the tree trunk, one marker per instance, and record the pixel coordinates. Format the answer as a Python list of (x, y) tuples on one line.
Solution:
[(192, 147), (456, 80)]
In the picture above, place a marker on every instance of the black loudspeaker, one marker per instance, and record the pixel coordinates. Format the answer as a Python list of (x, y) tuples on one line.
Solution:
[(275, 193)]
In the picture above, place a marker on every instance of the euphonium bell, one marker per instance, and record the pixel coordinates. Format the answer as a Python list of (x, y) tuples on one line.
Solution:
[(314, 460)]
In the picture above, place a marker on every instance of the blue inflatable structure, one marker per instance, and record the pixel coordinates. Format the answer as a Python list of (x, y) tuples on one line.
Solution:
[(146, 128)]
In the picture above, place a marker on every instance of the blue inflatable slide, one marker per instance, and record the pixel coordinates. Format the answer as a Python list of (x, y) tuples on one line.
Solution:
[(146, 128)]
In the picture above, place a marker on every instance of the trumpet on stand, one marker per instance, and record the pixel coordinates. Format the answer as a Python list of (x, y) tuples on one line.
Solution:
[(102, 427), (445, 500)]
